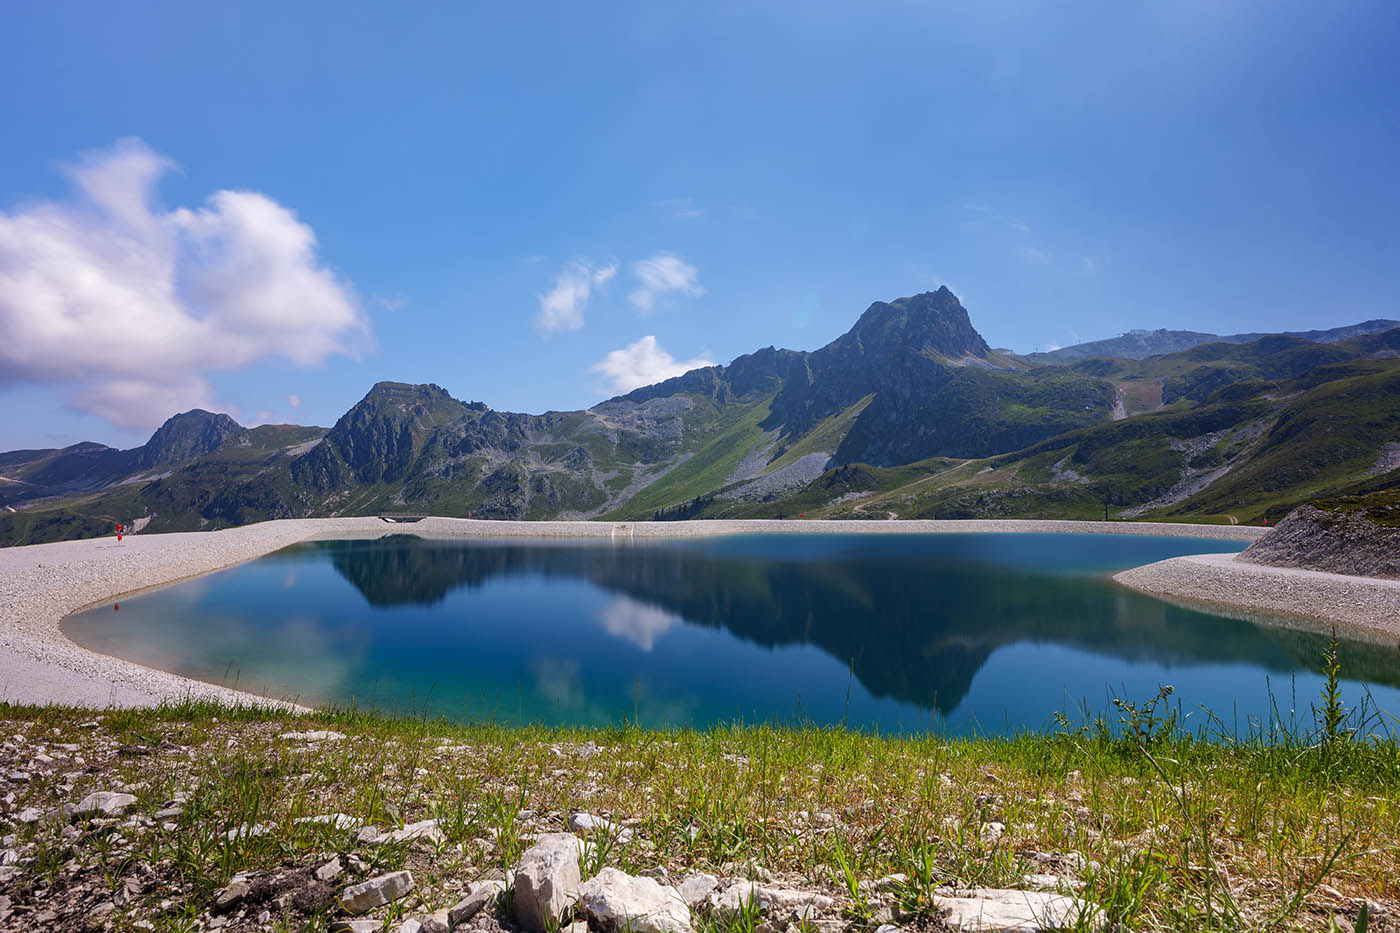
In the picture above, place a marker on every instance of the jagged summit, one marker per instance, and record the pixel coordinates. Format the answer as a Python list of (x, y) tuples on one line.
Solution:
[(931, 322)]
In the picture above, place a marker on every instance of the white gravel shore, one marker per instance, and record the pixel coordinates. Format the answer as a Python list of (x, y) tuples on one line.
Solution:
[(1360, 607), (43, 583)]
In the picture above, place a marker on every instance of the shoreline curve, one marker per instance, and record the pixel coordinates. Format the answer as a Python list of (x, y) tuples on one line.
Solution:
[(42, 584), (1361, 608)]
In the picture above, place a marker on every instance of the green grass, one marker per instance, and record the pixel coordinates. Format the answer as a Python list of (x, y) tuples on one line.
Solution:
[(732, 437), (826, 437), (1207, 829)]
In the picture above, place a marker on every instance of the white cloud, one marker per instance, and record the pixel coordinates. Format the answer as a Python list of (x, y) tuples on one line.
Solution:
[(680, 208), (294, 401), (643, 363), (131, 305), (660, 275), (390, 303), (1037, 256), (1019, 226), (561, 308), (635, 621), (1090, 266)]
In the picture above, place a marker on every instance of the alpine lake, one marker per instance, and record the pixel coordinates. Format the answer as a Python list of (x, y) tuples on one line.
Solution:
[(958, 633)]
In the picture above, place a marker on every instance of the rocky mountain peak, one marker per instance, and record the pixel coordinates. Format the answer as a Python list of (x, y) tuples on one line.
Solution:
[(931, 322), (379, 436), (185, 436)]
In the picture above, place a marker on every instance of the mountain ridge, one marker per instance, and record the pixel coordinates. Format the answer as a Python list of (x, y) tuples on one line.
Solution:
[(909, 412)]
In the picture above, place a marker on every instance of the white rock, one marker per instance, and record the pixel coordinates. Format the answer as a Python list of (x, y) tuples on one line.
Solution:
[(479, 895), (695, 888), (546, 881), (992, 910), (244, 831), (106, 802), (319, 735), (233, 894), (341, 821), (410, 926), (30, 815), (427, 830), (1052, 882), (329, 871), (436, 923), (619, 902), (356, 926), (800, 905), (376, 892), (587, 824)]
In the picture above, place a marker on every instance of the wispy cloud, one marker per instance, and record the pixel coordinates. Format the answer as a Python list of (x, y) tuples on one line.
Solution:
[(1090, 265), (1034, 255), (679, 208), (643, 363), (294, 401), (562, 307), (663, 274), (132, 305), (390, 303), (998, 217)]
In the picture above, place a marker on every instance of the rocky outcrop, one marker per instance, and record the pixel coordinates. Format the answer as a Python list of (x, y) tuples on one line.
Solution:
[(1346, 542)]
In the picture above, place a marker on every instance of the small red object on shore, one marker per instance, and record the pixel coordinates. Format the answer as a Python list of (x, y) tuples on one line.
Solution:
[(119, 532)]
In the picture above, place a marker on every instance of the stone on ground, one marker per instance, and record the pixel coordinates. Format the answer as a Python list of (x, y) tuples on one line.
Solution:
[(992, 910), (618, 902), (546, 881), (798, 905), (376, 892), (106, 802), (356, 926), (479, 895), (586, 824), (319, 735), (695, 888)]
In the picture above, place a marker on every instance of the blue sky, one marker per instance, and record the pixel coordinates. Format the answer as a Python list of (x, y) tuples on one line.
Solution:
[(250, 205)]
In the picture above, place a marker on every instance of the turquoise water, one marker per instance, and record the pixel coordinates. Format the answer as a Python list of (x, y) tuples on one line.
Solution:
[(963, 632)]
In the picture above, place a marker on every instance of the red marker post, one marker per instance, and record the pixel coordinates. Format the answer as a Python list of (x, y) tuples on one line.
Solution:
[(119, 532)]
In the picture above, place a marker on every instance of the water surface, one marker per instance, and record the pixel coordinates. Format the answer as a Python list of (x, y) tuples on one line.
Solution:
[(978, 631)]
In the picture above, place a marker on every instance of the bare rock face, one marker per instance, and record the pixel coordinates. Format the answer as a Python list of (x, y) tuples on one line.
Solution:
[(616, 901), (547, 881), (1337, 542)]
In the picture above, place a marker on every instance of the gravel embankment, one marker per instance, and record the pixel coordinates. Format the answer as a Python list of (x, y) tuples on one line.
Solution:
[(41, 584), (1365, 607)]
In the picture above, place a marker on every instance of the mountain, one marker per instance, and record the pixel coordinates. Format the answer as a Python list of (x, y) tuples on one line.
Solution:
[(1140, 344), (85, 467), (908, 414)]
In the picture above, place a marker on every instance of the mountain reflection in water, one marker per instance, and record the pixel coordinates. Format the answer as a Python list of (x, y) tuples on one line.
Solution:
[(913, 619)]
